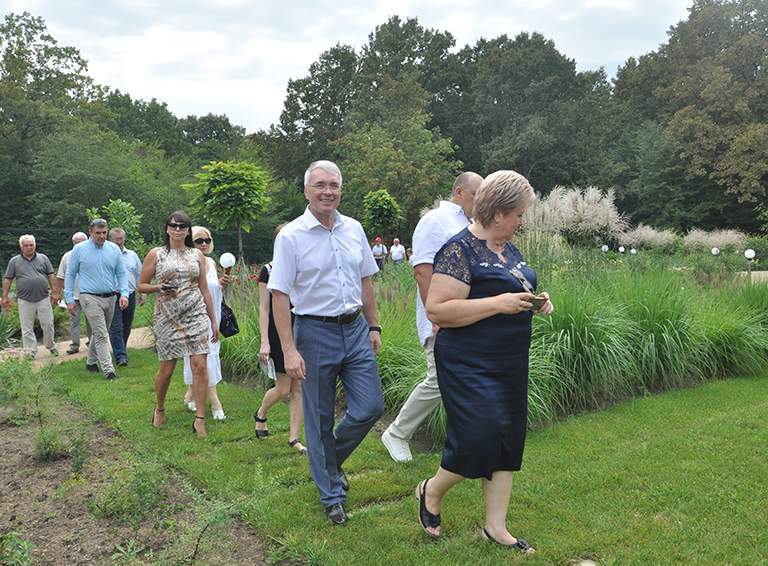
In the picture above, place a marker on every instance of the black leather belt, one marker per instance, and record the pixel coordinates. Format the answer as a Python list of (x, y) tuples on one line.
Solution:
[(103, 295), (341, 319)]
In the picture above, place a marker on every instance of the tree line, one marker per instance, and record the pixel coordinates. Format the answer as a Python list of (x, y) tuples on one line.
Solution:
[(680, 133)]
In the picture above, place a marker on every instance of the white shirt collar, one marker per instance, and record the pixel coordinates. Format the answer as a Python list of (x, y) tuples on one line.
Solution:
[(452, 207), (311, 221)]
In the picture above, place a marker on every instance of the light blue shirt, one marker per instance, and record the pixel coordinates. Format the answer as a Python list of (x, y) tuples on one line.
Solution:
[(99, 269), (132, 265)]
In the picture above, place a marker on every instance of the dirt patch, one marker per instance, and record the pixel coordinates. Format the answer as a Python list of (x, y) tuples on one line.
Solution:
[(48, 505)]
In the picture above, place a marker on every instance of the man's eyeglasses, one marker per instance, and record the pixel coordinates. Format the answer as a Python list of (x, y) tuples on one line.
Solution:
[(201, 241), (322, 186), (179, 226)]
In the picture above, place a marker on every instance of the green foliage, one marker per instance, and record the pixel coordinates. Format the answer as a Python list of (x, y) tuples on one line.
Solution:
[(14, 549), (121, 214), (381, 214), (135, 491), (48, 446), (230, 194)]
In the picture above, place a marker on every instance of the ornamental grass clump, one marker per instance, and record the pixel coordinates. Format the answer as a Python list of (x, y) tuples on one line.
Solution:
[(724, 240), (647, 237)]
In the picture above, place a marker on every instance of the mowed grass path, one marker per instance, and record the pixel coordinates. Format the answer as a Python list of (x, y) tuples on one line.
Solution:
[(678, 478)]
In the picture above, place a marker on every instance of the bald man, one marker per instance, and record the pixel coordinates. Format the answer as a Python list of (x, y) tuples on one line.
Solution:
[(434, 229)]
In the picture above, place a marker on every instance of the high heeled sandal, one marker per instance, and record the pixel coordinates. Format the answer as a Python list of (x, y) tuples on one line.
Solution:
[(521, 545), (426, 519), (301, 448), (161, 411), (194, 430), (260, 433)]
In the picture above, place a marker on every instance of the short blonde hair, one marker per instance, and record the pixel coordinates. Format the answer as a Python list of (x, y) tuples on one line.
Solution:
[(202, 232), (502, 191)]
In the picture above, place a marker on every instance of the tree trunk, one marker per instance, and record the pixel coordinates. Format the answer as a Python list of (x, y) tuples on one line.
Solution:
[(240, 243)]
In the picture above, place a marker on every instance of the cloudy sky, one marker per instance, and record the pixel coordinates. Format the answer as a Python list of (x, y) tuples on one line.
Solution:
[(235, 57)]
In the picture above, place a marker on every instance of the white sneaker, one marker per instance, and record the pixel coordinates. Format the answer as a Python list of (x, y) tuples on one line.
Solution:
[(191, 405), (218, 414), (397, 447)]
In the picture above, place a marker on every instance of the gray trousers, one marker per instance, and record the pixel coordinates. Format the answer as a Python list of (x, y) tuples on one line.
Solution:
[(28, 311), (424, 398), (332, 351), (99, 312), (74, 325)]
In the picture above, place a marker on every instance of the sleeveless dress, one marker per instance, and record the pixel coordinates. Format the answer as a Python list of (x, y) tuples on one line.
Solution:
[(214, 362), (275, 349), (482, 368), (181, 322)]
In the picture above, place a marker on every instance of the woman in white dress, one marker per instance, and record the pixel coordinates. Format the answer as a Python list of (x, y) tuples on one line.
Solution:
[(204, 242)]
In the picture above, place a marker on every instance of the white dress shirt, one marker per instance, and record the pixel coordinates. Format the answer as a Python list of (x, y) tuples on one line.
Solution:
[(133, 267), (320, 269), (434, 229)]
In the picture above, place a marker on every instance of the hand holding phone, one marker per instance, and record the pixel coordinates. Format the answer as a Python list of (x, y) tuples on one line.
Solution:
[(538, 302)]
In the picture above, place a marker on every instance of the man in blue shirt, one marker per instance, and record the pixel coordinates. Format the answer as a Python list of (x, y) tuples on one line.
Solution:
[(120, 329), (100, 270)]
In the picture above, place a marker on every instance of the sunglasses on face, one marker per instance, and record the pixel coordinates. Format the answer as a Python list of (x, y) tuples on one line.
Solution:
[(201, 241), (180, 226)]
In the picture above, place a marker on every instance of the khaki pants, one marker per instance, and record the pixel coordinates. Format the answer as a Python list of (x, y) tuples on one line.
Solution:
[(74, 325), (99, 312), (28, 311), (423, 399)]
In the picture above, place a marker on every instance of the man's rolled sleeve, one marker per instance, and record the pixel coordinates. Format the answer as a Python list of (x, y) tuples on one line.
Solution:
[(283, 272)]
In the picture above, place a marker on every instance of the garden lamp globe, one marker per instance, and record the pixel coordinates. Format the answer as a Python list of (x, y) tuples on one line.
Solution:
[(227, 260), (622, 249), (749, 254), (633, 251), (715, 251), (604, 248)]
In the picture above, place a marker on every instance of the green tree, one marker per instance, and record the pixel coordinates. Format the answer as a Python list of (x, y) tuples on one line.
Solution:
[(121, 214), (231, 194), (381, 214)]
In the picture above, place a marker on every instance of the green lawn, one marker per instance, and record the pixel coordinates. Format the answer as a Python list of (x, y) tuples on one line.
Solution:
[(670, 479)]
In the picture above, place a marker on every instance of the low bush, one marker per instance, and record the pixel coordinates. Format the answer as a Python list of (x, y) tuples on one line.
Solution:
[(14, 549), (725, 240), (645, 237)]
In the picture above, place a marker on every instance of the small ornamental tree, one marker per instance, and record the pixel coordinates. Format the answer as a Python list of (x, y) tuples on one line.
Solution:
[(230, 194), (121, 214), (381, 213)]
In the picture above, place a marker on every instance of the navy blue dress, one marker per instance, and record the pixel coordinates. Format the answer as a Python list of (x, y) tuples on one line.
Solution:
[(482, 369)]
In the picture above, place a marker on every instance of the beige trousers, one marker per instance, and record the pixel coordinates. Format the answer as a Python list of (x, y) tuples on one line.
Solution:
[(424, 398), (41, 310), (99, 312)]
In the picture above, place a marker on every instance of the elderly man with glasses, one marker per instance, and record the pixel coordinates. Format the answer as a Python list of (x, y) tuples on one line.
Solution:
[(33, 273), (99, 267), (322, 261)]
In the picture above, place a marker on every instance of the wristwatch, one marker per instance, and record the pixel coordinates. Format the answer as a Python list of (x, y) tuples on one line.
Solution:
[(374, 329)]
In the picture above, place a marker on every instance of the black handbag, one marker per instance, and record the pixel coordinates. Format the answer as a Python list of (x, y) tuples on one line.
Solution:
[(227, 323)]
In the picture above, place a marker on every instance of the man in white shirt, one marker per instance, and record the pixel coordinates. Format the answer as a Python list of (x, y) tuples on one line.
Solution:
[(323, 266), (74, 319), (434, 229), (397, 252), (379, 252)]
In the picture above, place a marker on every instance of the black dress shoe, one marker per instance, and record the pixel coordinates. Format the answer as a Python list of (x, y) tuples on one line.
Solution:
[(122, 363), (110, 376), (344, 480), (336, 514), (92, 367)]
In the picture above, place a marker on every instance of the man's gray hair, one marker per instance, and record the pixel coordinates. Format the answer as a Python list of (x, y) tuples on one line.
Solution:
[(26, 237), (82, 236), (114, 231), (325, 165)]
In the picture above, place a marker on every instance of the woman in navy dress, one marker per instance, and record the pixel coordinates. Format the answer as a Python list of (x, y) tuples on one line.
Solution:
[(481, 297)]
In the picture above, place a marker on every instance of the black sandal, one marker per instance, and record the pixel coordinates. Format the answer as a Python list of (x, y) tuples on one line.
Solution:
[(194, 430), (260, 433), (294, 442), (426, 519), (521, 545)]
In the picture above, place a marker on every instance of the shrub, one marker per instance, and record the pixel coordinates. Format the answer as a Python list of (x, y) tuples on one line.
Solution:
[(48, 446), (726, 240), (14, 550), (135, 490)]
